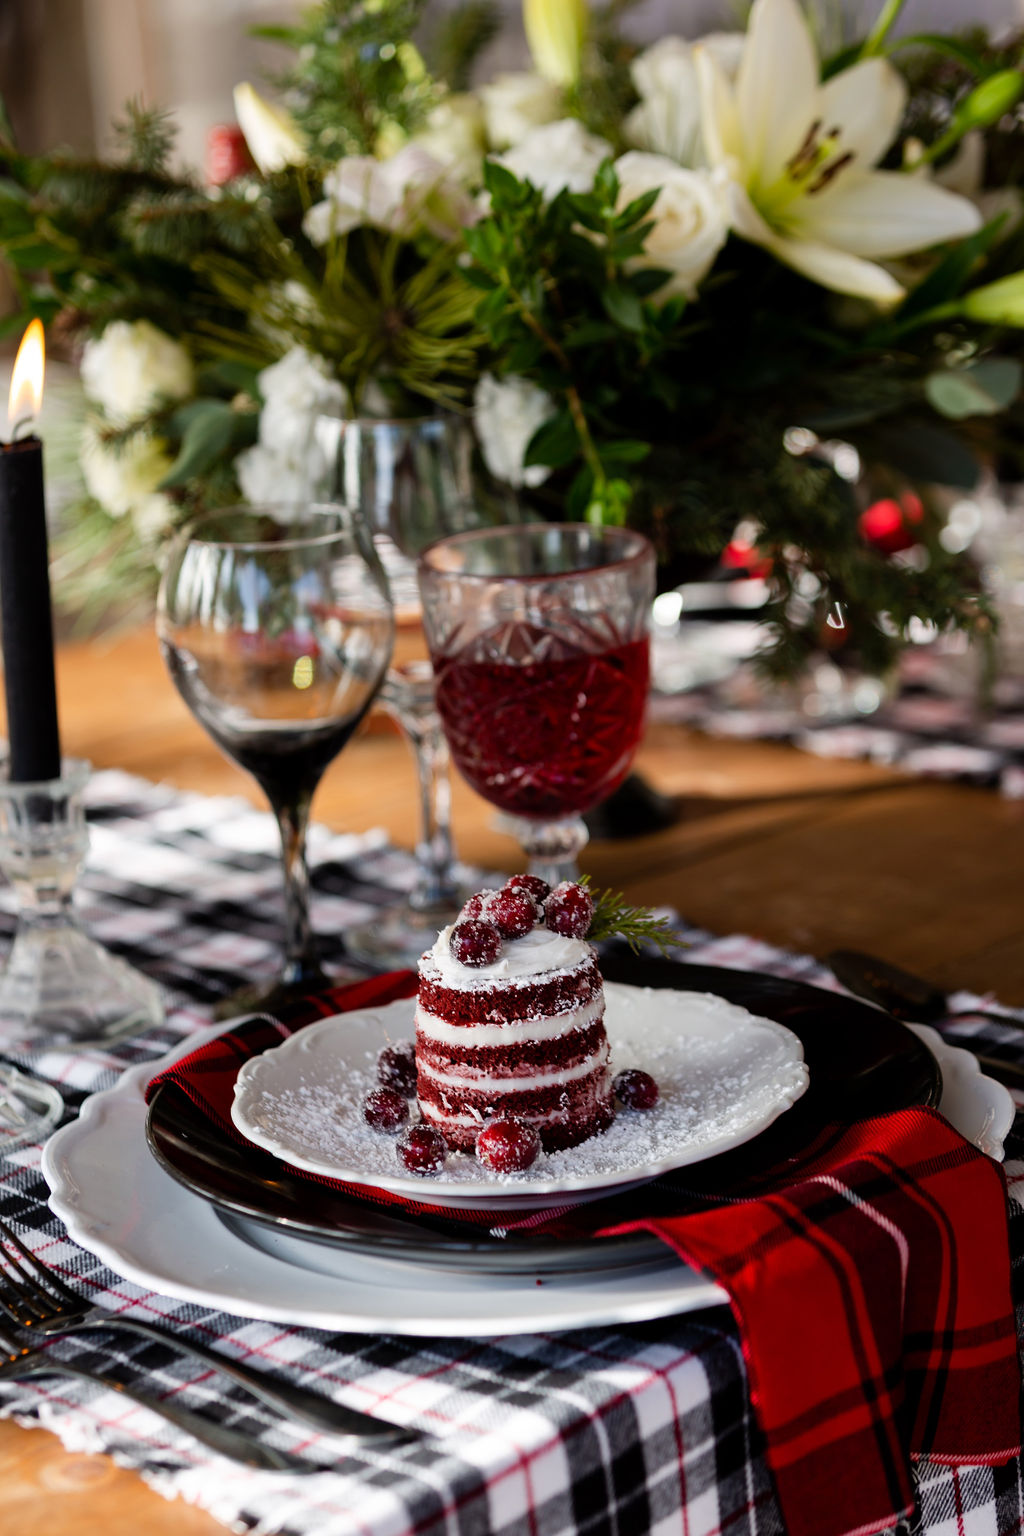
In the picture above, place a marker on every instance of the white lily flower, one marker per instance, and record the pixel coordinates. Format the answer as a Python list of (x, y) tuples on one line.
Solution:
[(799, 158)]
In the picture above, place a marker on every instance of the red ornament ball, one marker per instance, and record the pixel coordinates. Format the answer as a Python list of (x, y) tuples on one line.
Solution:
[(636, 1089), (515, 913), (569, 910), (422, 1149), (385, 1110), (533, 885), (396, 1068), (474, 942), (507, 1146)]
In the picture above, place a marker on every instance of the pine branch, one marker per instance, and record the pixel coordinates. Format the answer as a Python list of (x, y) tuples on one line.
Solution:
[(145, 137), (614, 918)]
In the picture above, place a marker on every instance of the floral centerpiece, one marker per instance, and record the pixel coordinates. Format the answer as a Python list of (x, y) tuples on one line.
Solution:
[(764, 278)]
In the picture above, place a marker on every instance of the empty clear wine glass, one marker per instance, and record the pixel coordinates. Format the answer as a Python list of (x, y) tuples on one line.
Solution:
[(409, 482), (276, 626), (539, 640)]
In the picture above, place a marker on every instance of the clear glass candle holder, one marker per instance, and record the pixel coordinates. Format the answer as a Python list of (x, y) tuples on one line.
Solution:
[(60, 987)]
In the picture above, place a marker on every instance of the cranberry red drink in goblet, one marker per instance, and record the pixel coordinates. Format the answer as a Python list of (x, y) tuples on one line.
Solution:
[(538, 636)]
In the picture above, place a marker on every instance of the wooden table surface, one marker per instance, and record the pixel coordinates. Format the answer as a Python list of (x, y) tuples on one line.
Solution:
[(801, 851)]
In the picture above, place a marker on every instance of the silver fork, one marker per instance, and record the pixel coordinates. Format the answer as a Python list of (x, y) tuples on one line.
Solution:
[(17, 1363), (37, 1300)]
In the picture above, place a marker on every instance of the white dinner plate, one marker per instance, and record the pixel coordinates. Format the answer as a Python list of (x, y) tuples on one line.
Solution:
[(724, 1076), (118, 1202)]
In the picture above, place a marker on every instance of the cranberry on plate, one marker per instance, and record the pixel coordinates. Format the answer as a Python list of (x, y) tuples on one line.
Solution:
[(422, 1149), (396, 1068), (385, 1110), (507, 1145), (636, 1089)]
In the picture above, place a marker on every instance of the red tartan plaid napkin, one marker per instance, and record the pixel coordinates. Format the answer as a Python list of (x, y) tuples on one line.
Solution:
[(870, 1284)]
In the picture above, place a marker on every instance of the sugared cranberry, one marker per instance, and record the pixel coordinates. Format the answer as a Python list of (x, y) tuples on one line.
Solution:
[(422, 1149), (474, 942), (533, 885), (636, 1089), (476, 906), (507, 1145), (385, 1110), (569, 910), (396, 1068), (515, 913)]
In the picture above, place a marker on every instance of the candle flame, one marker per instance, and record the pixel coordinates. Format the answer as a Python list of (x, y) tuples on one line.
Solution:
[(26, 395)]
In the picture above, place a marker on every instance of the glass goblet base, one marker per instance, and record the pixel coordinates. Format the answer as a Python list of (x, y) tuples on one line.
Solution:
[(28, 1109), (273, 992), (552, 847), (61, 988), (397, 938)]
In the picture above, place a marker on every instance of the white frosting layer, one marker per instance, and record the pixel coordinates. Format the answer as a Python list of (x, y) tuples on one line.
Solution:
[(512, 1032), (538, 1078), (538, 952)]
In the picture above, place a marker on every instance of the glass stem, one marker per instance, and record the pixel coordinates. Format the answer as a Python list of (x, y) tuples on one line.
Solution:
[(299, 956), (408, 695), (435, 852)]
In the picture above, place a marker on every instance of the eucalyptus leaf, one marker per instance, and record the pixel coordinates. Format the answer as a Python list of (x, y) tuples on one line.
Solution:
[(984, 389), (210, 434), (555, 443)]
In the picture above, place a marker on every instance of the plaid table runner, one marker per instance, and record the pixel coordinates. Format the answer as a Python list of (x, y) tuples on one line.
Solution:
[(932, 726), (647, 1428)]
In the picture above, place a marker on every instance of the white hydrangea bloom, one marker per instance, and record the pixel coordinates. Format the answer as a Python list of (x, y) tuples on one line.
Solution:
[(124, 480), (557, 157), (286, 465), (508, 413), (132, 367)]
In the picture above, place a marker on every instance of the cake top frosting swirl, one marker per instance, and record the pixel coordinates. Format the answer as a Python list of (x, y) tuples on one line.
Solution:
[(534, 954)]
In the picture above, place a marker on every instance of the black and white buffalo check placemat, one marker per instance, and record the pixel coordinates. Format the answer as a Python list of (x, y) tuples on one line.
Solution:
[(596, 1432)]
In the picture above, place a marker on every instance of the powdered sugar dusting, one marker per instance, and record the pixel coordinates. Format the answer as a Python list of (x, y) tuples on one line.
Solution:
[(724, 1075)]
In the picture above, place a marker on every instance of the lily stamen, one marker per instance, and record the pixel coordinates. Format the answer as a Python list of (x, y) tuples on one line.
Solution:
[(831, 171)]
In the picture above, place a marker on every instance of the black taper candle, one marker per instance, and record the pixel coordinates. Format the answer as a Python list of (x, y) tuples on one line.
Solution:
[(29, 680)]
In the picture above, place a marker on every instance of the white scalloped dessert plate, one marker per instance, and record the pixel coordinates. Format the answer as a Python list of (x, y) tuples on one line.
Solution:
[(724, 1074)]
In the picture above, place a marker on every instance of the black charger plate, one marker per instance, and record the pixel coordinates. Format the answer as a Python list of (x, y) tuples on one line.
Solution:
[(861, 1063)]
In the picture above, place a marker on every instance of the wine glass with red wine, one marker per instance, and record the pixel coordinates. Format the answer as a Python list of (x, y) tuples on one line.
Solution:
[(538, 636), (276, 626)]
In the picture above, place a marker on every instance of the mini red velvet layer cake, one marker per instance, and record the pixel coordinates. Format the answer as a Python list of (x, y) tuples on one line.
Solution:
[(523, 1036)]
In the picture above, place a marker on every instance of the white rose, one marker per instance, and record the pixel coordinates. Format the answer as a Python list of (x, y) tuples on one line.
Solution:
[(124, 480), (508, 413), (514, 104), (455, 135), (667, 120), (557, 157), (690, 225), (410, 192), (133, 367)]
